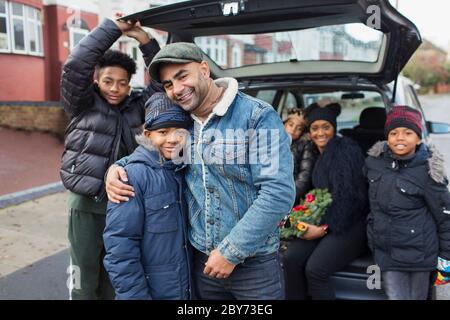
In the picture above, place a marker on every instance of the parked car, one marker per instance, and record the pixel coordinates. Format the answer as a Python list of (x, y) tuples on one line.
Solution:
[(292, 53)]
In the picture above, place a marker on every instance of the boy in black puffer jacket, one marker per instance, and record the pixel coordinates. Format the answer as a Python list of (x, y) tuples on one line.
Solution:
[(409, 222)]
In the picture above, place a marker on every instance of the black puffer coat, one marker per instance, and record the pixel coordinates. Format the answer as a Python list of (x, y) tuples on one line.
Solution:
[(409, 222), (97, 128), (339, 169), (304, 158)]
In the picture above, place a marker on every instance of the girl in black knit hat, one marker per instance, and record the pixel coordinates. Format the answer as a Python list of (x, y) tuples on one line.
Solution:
[(341, 237), (409, 222)]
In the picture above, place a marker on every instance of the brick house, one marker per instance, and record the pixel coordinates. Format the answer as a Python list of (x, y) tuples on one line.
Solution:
[(35, 39)]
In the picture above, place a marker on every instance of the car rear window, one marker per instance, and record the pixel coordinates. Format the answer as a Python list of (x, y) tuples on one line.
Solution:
[(346, 42), (351, 107)]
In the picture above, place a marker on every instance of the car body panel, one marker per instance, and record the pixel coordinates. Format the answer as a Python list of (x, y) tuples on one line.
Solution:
[(189, 19)]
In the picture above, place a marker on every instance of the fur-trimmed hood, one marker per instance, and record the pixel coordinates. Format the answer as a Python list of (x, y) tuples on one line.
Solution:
[(436, 166)]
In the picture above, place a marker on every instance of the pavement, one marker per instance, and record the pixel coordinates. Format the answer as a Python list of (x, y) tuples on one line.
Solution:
[(33, 234), (33, 249)]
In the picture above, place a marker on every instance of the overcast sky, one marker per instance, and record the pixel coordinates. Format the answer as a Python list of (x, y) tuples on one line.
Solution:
[(432, 17)]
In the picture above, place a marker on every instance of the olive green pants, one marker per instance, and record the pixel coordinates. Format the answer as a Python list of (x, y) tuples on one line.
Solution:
[(89, 278)]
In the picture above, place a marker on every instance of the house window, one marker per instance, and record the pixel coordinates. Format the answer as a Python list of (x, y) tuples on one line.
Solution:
[(20, 29), (215, 48), (236, 54), (4, 29), (34, 30), (76, 34)]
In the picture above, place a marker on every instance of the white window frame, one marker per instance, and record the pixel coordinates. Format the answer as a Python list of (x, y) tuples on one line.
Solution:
[(215, 48), (221, 51), (236, 54), (37, 28), (8, 31), (72, 31), (12, 17)]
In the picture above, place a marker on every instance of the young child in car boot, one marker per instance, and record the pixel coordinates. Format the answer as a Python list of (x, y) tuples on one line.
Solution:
[(409, 222), (302, 152)]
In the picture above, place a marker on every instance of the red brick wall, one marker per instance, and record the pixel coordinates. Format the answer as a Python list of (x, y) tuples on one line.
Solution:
[(56, 35), (32, 78), (22, 77), (43, 117), (249, 58), (32, 3)]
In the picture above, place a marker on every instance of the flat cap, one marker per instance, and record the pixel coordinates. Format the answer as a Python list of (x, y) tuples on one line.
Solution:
[(175, 53)]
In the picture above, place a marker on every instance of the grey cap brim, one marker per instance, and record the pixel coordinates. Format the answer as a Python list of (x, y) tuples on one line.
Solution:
[(156, 64)]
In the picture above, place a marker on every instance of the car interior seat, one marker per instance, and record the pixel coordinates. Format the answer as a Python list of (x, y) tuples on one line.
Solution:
[(371, 127)]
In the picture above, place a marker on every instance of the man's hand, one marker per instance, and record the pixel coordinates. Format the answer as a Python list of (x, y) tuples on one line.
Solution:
[(217, 266), (117, 190), (138, 33), (315, 232)]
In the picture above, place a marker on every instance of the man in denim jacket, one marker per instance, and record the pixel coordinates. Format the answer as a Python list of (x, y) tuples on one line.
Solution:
[(239, 178)]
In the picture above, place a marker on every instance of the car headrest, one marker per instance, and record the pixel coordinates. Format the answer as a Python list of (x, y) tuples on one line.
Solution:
[(372, 118)]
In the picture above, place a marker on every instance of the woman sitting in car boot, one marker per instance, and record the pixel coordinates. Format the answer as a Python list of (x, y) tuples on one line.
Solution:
[(309, 262), (409, 222)]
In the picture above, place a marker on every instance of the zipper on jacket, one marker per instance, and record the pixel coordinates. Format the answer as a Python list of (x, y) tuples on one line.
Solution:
[(185, 222)]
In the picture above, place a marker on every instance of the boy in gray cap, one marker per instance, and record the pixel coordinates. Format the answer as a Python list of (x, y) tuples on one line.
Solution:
[(147, 252), (237, 189)]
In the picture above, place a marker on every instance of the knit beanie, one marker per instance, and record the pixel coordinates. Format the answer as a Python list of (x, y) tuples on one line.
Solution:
[(328, 113), (163, 113), (403, 116)]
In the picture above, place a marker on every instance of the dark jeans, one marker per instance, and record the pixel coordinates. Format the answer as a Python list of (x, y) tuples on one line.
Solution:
[(406, 285), (86, 253), (257, 278), (309, 264)]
